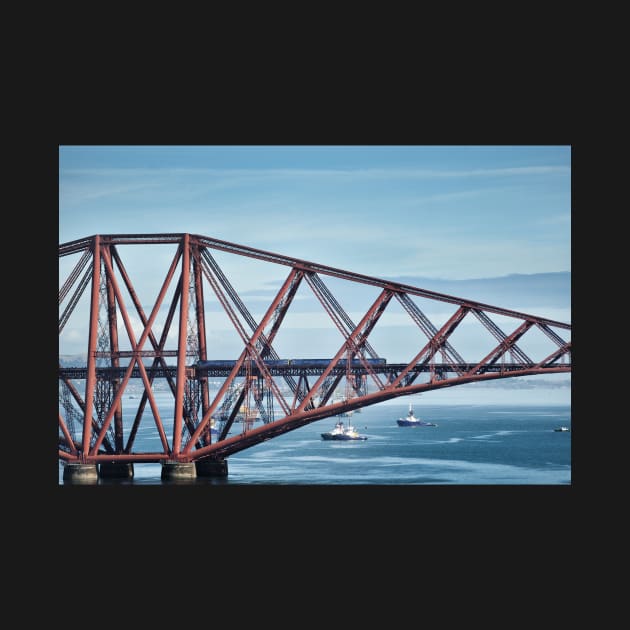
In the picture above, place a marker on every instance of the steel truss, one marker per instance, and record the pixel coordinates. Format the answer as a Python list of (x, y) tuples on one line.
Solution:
[(95, 432)]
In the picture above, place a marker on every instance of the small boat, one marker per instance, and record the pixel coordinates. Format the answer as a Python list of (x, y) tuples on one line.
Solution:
[(342, 432), (562, 429), (412, 421)]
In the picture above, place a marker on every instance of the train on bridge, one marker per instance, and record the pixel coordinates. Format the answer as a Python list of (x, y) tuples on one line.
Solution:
[(305, 363)]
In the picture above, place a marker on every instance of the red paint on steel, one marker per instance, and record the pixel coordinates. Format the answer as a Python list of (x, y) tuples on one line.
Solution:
[(90, 382), (251, 348), (190, 388), (181, 347)]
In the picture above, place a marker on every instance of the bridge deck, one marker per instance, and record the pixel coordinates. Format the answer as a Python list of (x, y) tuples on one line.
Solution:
[(110, 373)]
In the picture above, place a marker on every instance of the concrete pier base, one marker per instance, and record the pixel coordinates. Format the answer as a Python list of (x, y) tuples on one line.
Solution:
[(212, 468), (80, 473), (178, 471), (116, 470)]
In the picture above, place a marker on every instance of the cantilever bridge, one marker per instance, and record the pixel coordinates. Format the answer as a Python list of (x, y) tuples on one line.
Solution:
[(172, 338)]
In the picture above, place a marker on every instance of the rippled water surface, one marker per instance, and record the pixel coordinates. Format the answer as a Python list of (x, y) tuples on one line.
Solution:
[(472, 444)]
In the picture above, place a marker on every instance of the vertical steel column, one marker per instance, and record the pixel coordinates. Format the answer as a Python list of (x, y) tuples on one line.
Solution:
[(181, 347), (201, 326), (114, 361), (90, 381)]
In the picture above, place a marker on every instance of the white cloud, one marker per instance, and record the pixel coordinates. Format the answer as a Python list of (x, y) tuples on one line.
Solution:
[(241, 176)]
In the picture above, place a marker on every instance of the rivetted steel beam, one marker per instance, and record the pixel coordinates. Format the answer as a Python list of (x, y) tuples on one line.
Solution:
[(307, 266)]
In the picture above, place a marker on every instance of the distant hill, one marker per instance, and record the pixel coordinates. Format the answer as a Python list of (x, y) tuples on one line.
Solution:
[(525, 292), (72, 360), (538, 289)]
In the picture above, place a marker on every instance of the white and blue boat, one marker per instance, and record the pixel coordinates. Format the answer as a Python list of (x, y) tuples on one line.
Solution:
[(412, 421), (342, 432)]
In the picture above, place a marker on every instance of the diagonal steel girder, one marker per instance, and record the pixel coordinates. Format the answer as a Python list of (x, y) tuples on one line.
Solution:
[(102, 247), (361, 331), (424, 323), (563, 350), (431, 348), (335, 310), (262, 348), (345, 325), (136, 357), (217, 279), (158, 346), (510, 344), (250, 350), (507, 343)]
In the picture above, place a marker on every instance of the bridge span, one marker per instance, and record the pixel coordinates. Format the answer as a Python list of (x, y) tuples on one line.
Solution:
[(136, 342)]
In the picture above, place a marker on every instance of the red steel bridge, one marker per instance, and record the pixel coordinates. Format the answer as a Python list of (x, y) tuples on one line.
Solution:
[(132, 343)]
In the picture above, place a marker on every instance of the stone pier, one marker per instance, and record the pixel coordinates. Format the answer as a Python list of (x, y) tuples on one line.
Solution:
[(80, 473), (212, 468), (178, 471)]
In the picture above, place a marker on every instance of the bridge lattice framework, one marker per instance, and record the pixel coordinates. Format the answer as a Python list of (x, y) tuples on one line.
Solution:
[(286, 397)]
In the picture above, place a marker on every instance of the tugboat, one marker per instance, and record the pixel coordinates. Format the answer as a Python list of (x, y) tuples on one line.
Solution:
[(341, 432), (412, 421)]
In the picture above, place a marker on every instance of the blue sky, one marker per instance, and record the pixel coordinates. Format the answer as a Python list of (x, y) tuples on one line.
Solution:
[(432, 213)]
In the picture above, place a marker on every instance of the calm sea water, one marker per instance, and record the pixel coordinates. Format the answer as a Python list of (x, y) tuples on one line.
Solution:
[(472, 444)]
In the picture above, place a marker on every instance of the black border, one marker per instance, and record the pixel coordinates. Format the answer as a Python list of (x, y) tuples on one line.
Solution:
[(377, 518)]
